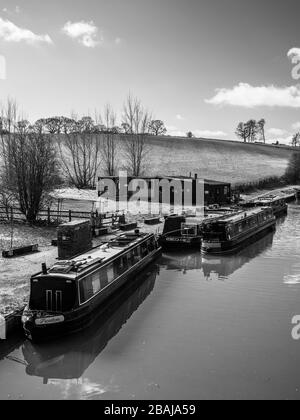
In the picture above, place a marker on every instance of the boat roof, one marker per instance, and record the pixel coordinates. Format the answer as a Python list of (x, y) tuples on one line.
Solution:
[(241, 215), (71, 269), (268, 199)]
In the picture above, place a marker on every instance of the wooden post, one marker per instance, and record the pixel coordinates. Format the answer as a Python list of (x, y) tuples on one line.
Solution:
[(11, 227), (49, 218), (70, 215)]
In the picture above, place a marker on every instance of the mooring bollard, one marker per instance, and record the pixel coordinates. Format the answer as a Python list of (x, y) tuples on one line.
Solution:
[(2, 328)]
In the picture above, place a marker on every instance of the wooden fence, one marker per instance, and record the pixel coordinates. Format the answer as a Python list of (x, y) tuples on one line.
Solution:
[(51, 217)]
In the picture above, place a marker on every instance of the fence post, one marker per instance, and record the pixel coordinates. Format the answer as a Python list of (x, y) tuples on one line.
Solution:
[(2, 328), (70, 215), (48, 212)]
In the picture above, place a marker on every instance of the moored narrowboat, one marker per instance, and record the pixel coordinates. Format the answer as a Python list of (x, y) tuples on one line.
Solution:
[(278, 204), (67, 297), (230, 233), (181, 232)]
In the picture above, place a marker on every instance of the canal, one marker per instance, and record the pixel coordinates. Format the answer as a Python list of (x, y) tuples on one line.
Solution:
[(191, 327)]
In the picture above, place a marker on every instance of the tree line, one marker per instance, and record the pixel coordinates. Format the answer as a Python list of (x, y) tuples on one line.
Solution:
[(36, 158)]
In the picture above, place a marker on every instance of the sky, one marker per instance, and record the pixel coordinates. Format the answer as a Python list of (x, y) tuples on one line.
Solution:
[(199, 65)]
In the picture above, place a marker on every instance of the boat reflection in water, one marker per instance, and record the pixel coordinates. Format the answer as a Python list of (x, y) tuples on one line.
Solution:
[(70, 358), (222, 266), (225, 266)]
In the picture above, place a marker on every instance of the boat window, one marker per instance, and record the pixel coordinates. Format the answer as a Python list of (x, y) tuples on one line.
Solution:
[(96, 282), (110, 273), (151, 245), (130, 258), (137, 254), (121, 265), (189, 230), (86, 289), (144, 250), (103, 278)]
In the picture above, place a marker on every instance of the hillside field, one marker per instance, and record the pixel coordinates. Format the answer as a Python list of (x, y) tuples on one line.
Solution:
[(222, 160)]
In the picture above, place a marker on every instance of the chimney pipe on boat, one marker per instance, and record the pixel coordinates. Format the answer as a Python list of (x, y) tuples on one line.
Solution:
[(44, 269)]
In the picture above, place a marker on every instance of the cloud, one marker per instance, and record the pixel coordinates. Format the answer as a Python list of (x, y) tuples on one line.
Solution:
[(247, 96), (276, 132), (174, 131), (179, 117), (16, 10), (209, 133), (118, 41), (10, 32), (85, 32), (296, 126), (293, 52)]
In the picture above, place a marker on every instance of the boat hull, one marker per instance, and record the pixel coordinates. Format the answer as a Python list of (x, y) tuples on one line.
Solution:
[(229, 247), (84, 316), (180, 243)]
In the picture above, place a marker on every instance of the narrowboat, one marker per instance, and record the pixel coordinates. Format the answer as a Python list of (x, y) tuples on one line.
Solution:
[(229, 233), (278, 204), (179, 232), (67, 297)]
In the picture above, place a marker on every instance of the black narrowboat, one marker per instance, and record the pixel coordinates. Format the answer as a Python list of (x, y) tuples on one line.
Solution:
[(229, 233), (67, 297), (181, 232)]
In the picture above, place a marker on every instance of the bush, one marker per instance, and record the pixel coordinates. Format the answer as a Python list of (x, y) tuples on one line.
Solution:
[(292, 174), (266, 183)]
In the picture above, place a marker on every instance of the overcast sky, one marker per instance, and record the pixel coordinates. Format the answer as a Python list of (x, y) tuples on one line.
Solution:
[(199, 65)]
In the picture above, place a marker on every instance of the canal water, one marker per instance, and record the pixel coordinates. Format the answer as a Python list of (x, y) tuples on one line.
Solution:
[(189, 328)]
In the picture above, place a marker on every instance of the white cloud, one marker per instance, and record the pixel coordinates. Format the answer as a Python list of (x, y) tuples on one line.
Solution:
[(118, 41), (209, 133), (179, 117), (85, 32), (276, 132), (293, 52), (12, 33), (247, 96), (174, 131), (296, 126), (16, 10)]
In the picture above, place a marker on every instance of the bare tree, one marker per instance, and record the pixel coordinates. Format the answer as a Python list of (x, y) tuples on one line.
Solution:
[(242, 131), (30, 168), (136, 120), (157, 128), (296, 140), (110, 138), (261, 127), (80, 154), (252, 128)]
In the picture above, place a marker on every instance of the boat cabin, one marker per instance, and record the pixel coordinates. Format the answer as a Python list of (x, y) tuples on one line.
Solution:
[(228, 227)]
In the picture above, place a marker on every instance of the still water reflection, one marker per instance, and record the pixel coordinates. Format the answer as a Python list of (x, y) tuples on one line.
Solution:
[(191, 327)]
